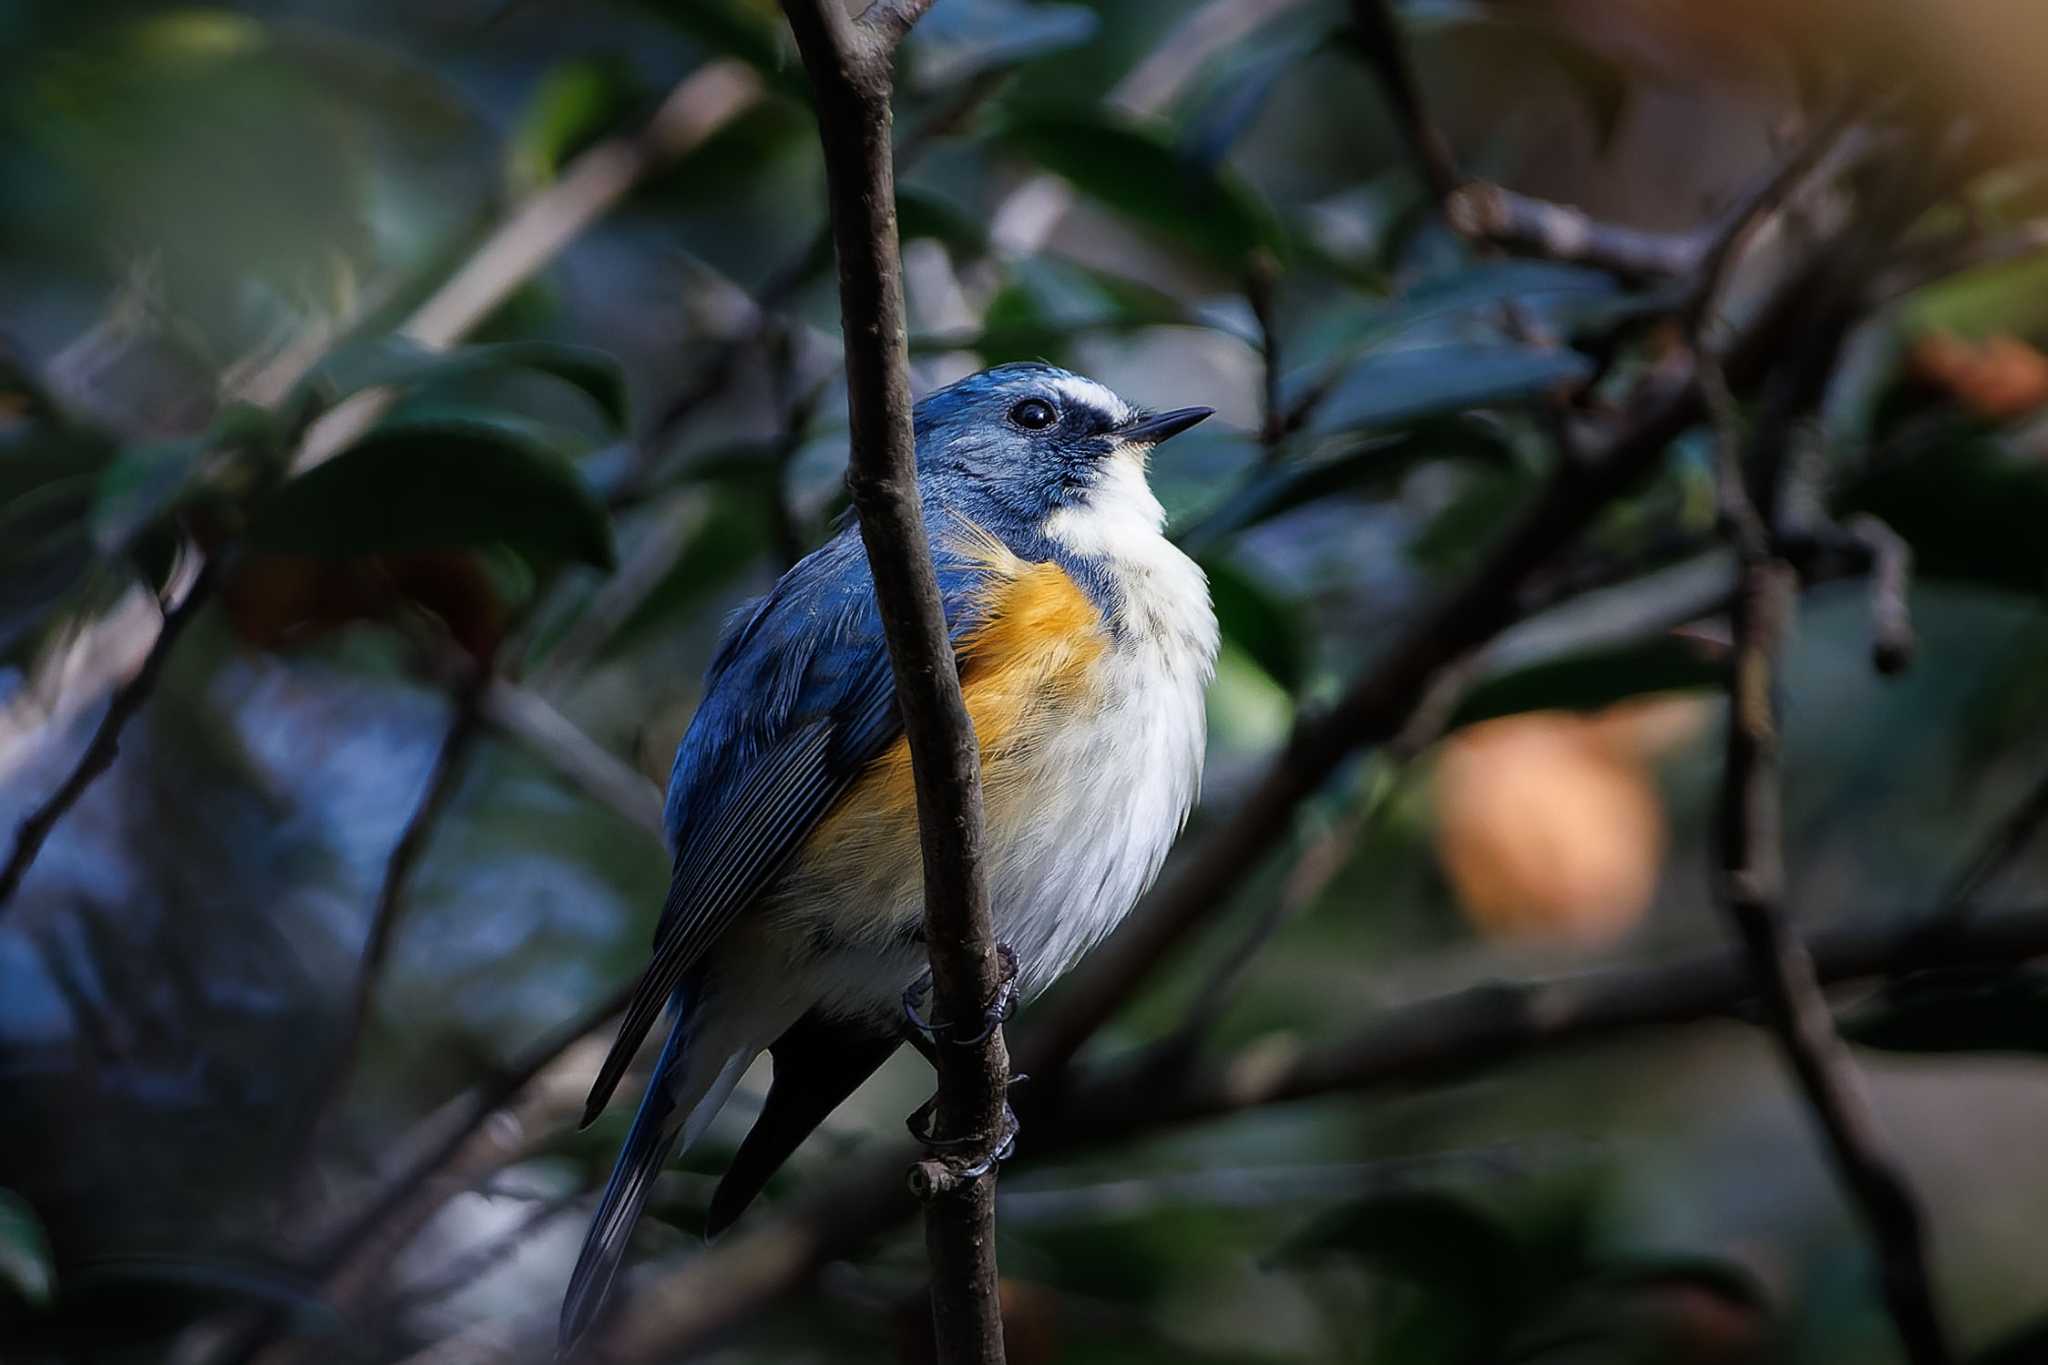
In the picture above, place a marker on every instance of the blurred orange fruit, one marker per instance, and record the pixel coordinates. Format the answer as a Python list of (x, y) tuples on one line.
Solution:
[(1998, 378), (1550, 823)]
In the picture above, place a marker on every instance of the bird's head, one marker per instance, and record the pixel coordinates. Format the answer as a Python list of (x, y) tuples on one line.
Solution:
[(1047, 451)]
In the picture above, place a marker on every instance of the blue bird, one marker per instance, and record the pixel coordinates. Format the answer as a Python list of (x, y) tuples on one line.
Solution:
[(793, 923)]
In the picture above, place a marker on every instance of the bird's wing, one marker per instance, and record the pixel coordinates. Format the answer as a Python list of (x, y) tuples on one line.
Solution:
[(798, 703)]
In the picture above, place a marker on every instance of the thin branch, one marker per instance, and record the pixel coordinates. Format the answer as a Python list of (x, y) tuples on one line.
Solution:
[(1431, 1041), (525, 716), (99, 753), (1380, 33), (464, 727), (1999, 851), (1560, 232), (849, 63)]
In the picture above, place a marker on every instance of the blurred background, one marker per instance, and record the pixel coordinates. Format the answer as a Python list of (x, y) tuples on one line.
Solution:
[(450, 370)]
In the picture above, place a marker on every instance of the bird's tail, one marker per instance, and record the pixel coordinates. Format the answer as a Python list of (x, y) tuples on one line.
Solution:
[(678, 1105)]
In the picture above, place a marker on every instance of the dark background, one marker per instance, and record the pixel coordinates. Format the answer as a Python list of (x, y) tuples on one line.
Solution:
[(196, 204)]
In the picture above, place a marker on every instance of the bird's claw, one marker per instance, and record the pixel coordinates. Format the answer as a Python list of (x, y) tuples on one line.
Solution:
[(994, 1017), (997, 1150)]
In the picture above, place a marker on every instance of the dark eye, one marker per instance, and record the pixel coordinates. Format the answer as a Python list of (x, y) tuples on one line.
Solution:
[(1034, 414)]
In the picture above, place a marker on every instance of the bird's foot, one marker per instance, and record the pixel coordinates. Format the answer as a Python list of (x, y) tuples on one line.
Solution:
[(996, 1148), (994, 1017)]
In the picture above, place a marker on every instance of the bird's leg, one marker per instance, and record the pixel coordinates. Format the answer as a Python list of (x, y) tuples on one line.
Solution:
[(923, 1034)]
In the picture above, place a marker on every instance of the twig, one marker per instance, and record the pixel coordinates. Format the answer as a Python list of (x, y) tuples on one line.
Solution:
[(456, 743), (477, 1261), (1752, 838), (850, 67), (1385, 48), (539, 229), (1434, 1040), (524, 715), (1998, 852), (99, 754), (1560, 232), (1260, 288)]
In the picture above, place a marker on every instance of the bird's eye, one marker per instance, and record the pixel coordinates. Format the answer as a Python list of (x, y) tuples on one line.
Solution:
[(1034, 414)]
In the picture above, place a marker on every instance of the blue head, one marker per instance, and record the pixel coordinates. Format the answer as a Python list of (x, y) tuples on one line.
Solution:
[(1029, 450)]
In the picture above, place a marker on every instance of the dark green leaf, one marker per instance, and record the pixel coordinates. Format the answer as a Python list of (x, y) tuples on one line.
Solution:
[(575, 104), (732, 540), (1971, 510), (1594, 678), (1372, 466), (1234, 102), (2026, 1346), (1136, 172), (749, 32), (1432, 1238), (438, 481), (1456, 536), (396, 362), (927, 213), (1394, 387), (1047, 303), (1976, 1010), (957, 42), (142, 485), (25, 1268), (1264, 625)]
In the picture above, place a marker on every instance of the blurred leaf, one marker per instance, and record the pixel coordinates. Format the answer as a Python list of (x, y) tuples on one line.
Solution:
[(1432, 1238), (752, 32), (928, 213), (1375, 465), (1046, 303), (732, 540), (136, 1299), (575, 104), (25, 1270), (1975, 1010), (1267, 627), (197, 139), (438, 481), (1235, 100), (143, 483), (2009, 297), (2026, 1346), (1399, 386), (1457, 534), (1595, 678), (1970, 508), (398, 362), (1136, 172), (48, 478), (966, 38)]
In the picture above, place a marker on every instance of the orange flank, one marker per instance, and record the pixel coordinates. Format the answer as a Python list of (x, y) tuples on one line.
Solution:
[(1031, 666)]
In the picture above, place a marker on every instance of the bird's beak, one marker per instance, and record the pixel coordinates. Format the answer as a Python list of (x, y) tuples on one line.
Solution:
[(1151, 428)]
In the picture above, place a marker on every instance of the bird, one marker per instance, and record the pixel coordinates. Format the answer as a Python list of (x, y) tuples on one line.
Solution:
[(1085, 641)]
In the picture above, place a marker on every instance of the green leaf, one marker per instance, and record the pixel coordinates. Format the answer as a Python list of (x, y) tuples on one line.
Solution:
[(1975, 1010), (1971, 509), (1234, 101), (438, 481), (1372, 466), (575, 104), (929, 213), (26, 1272), (956, 42), (1047, 303), (2008, 297), (1135, 171), (1267, 627), (750, 32), (1594, 678), (1395, 387), (398, 362), (141, 486), (1455, 537), (1432, 1238)]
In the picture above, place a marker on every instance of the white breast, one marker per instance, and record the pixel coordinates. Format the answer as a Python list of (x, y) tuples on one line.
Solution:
[(1116, 786)]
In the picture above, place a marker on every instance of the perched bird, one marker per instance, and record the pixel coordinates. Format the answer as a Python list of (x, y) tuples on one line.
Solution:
[(794, 919)]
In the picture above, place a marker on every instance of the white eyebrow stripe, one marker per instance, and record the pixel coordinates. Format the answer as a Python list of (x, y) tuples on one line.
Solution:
[(1086, 393)]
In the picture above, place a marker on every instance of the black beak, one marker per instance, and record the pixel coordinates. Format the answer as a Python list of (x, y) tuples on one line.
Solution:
[(1153, 427)]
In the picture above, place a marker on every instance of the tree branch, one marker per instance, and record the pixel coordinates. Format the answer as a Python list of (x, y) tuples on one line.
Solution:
[(1380, 33), (849, 62), (99, 753)]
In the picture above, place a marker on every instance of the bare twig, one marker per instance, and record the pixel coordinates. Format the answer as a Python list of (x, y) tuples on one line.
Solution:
[(522, 714), (1433, 1040), (1560, 232), (99, 753), (1385, 48), (2000, 849), (850, 67), (446, 774)]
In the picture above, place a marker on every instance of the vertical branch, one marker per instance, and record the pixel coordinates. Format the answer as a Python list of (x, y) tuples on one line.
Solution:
[(850, 67), (1380, 32), (1753, 854)]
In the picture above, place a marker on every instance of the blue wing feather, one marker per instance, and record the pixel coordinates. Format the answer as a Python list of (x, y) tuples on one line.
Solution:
[(799, 700)]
